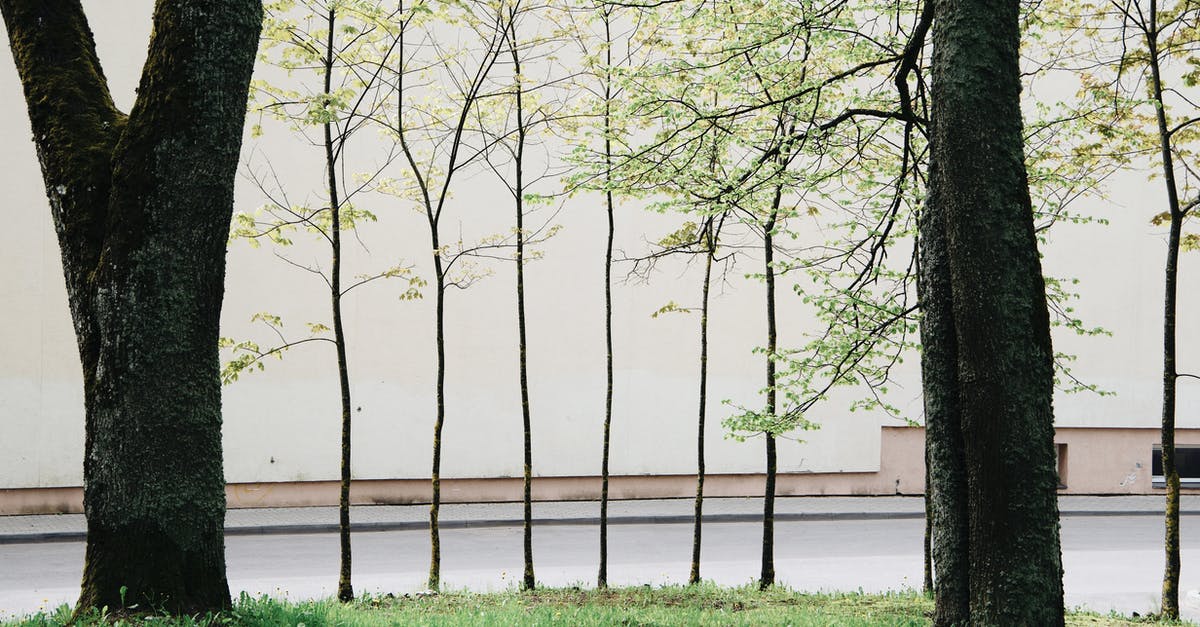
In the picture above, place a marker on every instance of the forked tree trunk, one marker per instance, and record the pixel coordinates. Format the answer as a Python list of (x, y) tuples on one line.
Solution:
[(141, 205), (1001, 348)]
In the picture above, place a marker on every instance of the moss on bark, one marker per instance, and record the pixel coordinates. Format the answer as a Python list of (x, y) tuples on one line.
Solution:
[(142, 205), (1001, 353)]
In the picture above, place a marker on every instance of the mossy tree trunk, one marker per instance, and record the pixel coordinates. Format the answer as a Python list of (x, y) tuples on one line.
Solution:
[(927, 570), (141, 205), (980, 218), (946, 490)]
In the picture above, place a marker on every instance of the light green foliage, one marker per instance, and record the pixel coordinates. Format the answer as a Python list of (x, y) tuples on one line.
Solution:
[(1115, 105), (295, 36), (742, 99), (672, 307), (1108, 123)]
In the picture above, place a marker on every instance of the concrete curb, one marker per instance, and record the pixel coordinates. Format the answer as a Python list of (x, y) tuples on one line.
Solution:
[(416, 525)]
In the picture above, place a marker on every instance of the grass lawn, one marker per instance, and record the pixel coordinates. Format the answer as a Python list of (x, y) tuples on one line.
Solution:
[(666, 606)]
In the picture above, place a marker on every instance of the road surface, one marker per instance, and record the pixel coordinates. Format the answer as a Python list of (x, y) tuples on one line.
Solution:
[(1111, 562)]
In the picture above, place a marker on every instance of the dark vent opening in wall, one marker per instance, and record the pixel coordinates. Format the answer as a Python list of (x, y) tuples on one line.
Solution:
[(1060, 455), (1187, 462)]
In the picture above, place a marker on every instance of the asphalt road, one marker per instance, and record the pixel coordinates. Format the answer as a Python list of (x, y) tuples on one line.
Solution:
[(1110, 562)]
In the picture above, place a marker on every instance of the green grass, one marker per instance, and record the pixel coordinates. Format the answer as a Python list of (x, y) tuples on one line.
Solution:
[(645, 606)]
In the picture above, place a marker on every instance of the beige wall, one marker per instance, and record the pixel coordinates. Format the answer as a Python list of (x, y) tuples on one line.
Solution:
[(281, 426), (1097, 461)]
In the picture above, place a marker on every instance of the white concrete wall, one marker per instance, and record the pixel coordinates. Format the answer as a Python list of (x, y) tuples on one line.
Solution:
[(283, 424)]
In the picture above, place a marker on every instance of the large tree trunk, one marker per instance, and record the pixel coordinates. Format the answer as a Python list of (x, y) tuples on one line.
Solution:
[(142, 205), (1002, 351)]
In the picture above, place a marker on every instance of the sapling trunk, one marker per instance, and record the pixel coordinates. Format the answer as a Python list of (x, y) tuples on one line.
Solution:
[(345, 588), (528, 581), (602, 576), (1170, 373), (709, 252), (767, 575)]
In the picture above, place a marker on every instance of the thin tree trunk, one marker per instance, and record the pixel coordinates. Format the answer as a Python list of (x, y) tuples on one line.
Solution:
[(1170, 586), (602, 576), (767, 575), (345, 588), (141, 205), (432, 216), (435, 545), (528, 581), (710, 250), (1001, 323)]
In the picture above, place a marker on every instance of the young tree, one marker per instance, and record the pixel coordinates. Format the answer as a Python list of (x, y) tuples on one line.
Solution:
[(794, 135), (1134, 43), (528, 580), (511, 125), (338, 42), (988, 367), (606, 13), (438, 137), (595, 28), (141, 205)]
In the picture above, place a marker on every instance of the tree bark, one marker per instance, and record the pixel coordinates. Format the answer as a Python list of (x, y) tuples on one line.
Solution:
[(1001, 349), (946, 491), (927, 545), (141, 206)]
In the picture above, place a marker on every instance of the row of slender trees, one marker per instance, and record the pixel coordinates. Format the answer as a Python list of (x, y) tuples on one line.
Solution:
[(739, 115)]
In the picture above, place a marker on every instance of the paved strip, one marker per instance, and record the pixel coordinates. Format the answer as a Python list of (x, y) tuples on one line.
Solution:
[(414, 525)]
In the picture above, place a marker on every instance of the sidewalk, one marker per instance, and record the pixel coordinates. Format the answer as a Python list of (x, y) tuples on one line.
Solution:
[(72, 527)]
